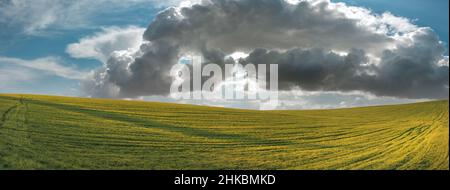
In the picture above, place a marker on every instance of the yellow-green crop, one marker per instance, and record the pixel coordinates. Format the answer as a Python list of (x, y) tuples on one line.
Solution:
[(44, 132)]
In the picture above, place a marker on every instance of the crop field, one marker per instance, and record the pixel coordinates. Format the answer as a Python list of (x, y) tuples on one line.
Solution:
[(47, 132)]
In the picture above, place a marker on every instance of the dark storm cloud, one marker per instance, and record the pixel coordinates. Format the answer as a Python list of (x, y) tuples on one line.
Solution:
[(407, 72), (381, 56)]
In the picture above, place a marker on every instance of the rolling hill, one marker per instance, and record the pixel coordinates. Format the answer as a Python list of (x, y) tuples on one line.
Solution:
[(46, 132)]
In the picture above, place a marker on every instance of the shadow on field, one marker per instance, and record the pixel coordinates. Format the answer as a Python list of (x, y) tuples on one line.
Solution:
[(153, 124)]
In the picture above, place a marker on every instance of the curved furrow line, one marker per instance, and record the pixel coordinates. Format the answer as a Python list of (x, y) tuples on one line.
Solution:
[(5, 115)]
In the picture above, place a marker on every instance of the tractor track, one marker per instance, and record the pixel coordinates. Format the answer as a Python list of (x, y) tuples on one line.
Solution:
[(5, 114)]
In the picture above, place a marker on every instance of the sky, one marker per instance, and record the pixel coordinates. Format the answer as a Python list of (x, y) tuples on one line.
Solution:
[(83, 48), (432, 13)]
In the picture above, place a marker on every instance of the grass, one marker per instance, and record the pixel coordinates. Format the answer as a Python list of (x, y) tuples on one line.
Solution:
[(45, 132)]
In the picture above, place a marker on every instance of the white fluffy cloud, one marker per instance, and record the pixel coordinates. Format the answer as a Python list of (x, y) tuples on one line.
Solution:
[(42, 66), (102, 44), (298, 99)]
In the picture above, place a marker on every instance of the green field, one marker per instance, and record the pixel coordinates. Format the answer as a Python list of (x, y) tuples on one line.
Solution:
[(44, 132)]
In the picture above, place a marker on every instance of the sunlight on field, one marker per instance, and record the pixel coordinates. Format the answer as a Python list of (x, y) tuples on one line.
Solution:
[(44, 132)]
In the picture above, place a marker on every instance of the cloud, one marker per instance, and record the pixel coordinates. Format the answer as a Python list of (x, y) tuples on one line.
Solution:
[(408, 71), (42, 66), (299, 99), (37, 17), (10, 75), (48, 75), (319, 46), (110, 39)]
